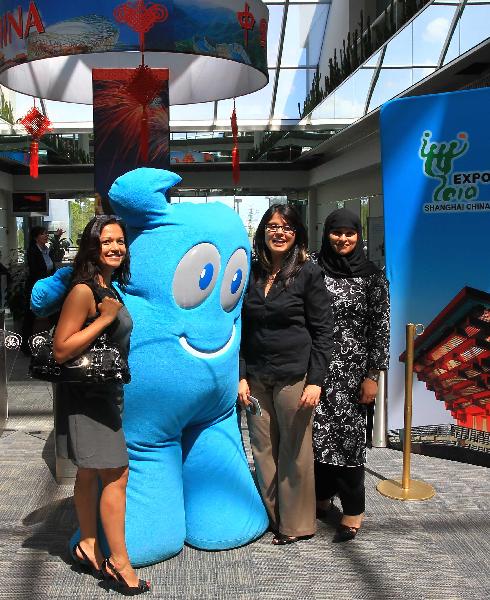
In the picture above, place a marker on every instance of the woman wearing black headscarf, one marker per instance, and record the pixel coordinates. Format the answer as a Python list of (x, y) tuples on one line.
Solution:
[(360, 303)]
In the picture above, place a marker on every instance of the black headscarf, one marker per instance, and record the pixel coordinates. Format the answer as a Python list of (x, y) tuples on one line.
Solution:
[(354, 264)]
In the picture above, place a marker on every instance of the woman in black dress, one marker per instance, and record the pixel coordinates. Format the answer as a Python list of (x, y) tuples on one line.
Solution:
[(360, 301), (285, 348), (96, 441)]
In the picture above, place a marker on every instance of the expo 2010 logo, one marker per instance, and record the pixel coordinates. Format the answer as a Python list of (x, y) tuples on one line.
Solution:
[(456, 190)]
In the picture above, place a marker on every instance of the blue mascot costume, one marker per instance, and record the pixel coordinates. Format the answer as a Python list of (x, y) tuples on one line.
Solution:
[(189, 478)]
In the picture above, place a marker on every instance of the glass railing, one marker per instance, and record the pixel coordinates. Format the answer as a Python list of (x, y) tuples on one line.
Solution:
[(429, 41), (67, 149)]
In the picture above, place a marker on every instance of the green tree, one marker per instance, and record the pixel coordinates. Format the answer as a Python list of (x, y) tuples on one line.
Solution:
[(6, 112), (81, 211)]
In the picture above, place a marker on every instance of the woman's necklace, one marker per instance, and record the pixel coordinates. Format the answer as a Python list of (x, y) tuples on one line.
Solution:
[(272, 276), (269, 282)]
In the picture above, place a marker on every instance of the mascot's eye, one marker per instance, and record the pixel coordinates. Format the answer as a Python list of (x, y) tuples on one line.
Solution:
[(234, 279), (196, 274), (206, 276)]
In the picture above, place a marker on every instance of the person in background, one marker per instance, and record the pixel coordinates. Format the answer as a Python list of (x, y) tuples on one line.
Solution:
[(361, 310), (285, 349), (40, 261)]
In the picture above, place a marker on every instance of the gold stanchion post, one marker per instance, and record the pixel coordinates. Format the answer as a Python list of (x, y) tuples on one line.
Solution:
[(407, 489)]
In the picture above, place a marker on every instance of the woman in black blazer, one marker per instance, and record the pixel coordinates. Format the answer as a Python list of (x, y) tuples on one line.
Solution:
[(40, 264)]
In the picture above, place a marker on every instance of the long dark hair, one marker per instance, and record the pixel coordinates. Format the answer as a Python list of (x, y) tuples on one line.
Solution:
[(296, 257), (86, 267)]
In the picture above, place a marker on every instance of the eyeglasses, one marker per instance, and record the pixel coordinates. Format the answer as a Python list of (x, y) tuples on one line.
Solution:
[(274, 228)]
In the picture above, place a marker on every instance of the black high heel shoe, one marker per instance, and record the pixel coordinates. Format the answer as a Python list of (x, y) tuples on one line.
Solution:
[(344, 533), (124, 588), (84, 563)]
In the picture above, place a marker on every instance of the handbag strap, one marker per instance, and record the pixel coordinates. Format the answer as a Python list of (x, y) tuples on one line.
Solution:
[(98, 298)]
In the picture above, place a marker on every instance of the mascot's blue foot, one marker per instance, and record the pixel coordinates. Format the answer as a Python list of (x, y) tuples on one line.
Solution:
[(233, 513)]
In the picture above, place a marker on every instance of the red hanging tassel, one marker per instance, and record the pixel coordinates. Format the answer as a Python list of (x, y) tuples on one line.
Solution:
[(144, 88), (141, 16), (145, 135), (36, 125), (235, 154), (34, 159), (235, 163)]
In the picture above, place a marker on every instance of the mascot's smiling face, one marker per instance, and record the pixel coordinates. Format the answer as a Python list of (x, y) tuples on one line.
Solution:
[(189, 265), (195, 279)]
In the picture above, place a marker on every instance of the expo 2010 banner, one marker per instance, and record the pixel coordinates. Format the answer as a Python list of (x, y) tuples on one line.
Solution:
[(436, 184)]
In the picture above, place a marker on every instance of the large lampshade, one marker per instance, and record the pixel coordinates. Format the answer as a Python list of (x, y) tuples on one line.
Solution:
[(214, 49)]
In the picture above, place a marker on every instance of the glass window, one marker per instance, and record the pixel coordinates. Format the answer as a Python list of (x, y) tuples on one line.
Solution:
[(391, 82), (305, 29), (21, 104), (454, 46), (350, 97), (58, 112), (203, 111), (292, 90), (399, 49), (252, 106), (299, 2), (325, 110), (430, 29), (373, 61), (274, 34), (421, 73), (474, 26)]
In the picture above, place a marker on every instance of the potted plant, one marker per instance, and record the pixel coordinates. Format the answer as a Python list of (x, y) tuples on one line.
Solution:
[(57, 248)]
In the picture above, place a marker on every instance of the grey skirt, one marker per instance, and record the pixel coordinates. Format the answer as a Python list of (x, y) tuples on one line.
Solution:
[(89, 425)]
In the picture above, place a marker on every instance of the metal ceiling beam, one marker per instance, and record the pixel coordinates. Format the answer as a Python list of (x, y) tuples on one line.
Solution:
[(279, 58)]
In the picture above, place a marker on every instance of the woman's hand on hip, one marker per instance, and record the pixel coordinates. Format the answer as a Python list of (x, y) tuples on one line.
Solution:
[(310, 396), (369, 389), (243, 393)]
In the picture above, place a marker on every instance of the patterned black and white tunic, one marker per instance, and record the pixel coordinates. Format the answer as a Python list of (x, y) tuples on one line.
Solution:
[(361, 313)]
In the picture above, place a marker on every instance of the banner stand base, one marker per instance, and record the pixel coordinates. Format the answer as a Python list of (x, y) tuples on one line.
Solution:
[(417, 490)]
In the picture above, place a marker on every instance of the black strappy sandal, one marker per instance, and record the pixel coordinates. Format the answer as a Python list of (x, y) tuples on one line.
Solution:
[(124, 588), (282, 540), (345, 533), (84, 563)]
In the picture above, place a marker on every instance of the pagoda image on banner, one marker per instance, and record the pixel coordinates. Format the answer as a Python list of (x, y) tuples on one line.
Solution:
[(452, 357)]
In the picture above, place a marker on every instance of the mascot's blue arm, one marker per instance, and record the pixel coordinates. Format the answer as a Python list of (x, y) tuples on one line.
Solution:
[(48, 294)]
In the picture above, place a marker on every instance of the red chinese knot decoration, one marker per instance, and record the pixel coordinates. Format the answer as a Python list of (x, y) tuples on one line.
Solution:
[(36, 124), (247, 21), (235, 154), (144, 88), (263, 32), (141, 16)]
